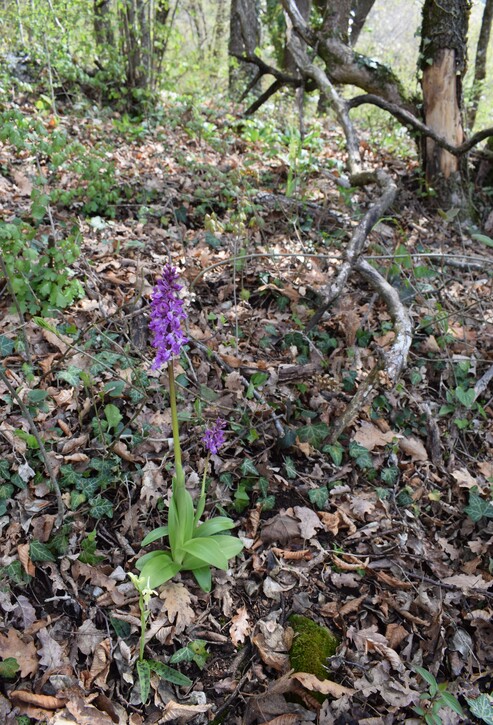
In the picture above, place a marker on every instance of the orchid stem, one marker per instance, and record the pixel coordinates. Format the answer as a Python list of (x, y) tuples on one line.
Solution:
[(174, 425)]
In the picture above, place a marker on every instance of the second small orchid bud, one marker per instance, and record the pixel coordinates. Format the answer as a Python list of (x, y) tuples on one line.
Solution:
[(214, 436)]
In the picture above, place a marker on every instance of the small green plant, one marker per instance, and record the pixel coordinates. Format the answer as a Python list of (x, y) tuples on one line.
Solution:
[(434, 699), (146, 666), (193, 546), (195, 651)]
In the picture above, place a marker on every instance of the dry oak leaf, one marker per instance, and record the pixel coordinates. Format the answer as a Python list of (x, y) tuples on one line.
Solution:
[(24, 652), (75, 444), (370, 437), (176, 599), (466, 582), (51, 654), (414, 448), (325, 687), (152, 488), (273, 643), (89, 637), (182, 712), (100, 667), (25, 559), (240, 627), (309, 521), (336, 521), (464, 478), (281, 529)]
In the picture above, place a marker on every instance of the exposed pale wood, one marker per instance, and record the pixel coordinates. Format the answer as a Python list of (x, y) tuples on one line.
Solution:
[(442, 114)]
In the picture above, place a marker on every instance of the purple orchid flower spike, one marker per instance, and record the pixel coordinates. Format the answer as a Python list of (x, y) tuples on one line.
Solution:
[(214, 436), (167, 315)]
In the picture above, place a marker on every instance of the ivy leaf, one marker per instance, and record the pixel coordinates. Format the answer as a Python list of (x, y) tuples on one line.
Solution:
[(478, 508), (465, 397), (290, 468), (113, 415), (361, 455), (335, 451), (313, 434), (248, 468), (319, 496), (114, 388), (40, 552), (482, 708), (6, 346), (144, 673), (9, 668), (101, 507), (71, 375)]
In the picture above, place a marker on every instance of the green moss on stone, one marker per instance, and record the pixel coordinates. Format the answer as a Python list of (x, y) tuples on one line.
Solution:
[(312, 646)]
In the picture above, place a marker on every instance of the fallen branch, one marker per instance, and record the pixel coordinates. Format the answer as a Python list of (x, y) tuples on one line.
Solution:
[(355, 246), (396, 358)]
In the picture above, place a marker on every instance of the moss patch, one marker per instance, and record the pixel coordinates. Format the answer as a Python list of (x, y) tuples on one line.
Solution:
[(312, 646)]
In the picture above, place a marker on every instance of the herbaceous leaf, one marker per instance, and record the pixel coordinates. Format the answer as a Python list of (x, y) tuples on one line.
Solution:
[(427, 677), (37, 396), (482, 707), (122, 629), (208, 551), (144, 672), (113, 415), (154, 535), (451, 702), (483, 239), (478, 508), (313, 434), (157, 567), (214, 526), (6, 346), (169, 674), (208, 394), (203, 578), (40, 552), (41, 322), (230, 546)]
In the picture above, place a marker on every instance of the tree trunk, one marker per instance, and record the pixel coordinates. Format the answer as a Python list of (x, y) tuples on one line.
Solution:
[(360, 11), (480, 65), (244, 37), (103, 30), (443, 62)]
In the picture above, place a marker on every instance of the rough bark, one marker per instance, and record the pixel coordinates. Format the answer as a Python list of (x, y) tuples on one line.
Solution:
[(103, 30), (480, 64), (244, 37), (443, 62)]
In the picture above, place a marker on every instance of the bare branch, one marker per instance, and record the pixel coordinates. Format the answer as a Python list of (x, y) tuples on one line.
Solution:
[(408, 119), (355, 246)]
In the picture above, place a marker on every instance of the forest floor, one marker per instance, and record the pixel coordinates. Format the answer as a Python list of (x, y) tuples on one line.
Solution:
[(384, 536)]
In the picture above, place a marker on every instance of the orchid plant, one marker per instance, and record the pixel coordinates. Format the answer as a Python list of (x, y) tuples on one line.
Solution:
[(193, 545)]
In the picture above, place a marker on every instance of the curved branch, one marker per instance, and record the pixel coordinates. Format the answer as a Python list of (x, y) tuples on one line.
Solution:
[(396, 358), (355, 246), (408, 119)]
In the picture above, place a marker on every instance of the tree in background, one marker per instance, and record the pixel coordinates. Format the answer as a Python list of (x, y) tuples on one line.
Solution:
[(480, 64), (244, 37)]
